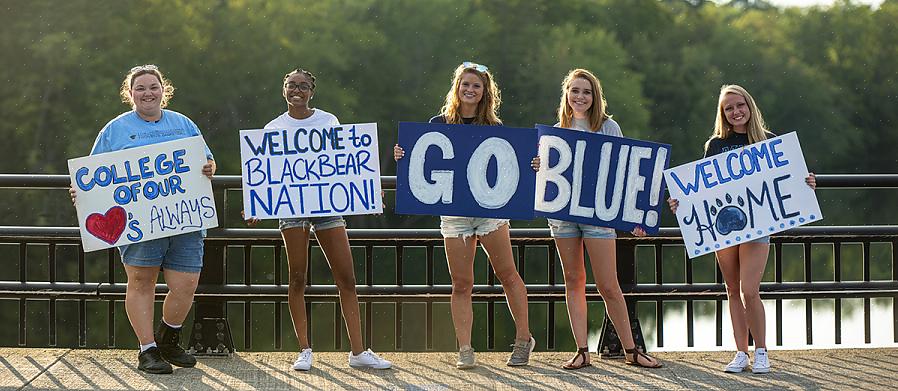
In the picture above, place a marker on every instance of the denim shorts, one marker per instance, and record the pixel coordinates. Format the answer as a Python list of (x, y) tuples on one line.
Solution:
[(568, 229), (462, 227), (313, 223), (181, 253)]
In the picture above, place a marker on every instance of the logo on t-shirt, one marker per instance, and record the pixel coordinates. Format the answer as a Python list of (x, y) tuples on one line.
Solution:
[(161, 133)]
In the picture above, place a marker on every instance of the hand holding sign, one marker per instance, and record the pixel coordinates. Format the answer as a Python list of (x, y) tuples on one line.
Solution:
[(742, 195), (143, 193)]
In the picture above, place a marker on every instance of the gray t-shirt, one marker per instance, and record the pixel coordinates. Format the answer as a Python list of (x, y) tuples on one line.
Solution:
[(609, 127)]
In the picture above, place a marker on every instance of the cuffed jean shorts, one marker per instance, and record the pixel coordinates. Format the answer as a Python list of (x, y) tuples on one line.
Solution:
[(181, 253), (313, 223), (462, 227), (568, 229)]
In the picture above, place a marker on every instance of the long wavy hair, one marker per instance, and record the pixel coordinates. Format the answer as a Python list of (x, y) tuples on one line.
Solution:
[(597, 112), (487, 109), (168, 89), (756, 128)]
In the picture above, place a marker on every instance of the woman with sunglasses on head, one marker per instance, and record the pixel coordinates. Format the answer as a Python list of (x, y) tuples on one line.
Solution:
[(180, 257), (330, 231), (739, 123), (473, 98), (582, 108)]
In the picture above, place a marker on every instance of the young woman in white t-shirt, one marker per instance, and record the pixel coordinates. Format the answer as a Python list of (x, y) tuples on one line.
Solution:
[(330, 231), (582, 108)]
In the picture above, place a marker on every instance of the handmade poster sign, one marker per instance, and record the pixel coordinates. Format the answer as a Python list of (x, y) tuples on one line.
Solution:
[(600, 180), (465, 170), (742, 195), (144, 193), (310, 172)]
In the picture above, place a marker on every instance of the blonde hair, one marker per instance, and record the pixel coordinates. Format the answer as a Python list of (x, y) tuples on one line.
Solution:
[(168, 90), (756, 128), (597, 113), (487, 108)]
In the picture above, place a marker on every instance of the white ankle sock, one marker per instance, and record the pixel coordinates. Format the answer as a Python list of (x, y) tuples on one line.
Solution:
[(144, 348), (171, 325)]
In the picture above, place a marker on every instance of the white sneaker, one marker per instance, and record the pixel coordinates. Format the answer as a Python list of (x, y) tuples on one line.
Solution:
[(368, 359), (762, 363), (304, 360), (739, 363)]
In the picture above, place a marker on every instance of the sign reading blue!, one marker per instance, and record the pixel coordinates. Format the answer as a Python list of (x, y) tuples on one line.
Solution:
[(466, 170), (600, 180)]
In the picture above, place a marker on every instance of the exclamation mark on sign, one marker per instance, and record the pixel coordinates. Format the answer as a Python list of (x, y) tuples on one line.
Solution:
[(374, 199), (651, 217)]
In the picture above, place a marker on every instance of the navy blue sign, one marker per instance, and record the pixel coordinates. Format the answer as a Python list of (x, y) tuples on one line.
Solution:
[(600, 180), (466, 170)]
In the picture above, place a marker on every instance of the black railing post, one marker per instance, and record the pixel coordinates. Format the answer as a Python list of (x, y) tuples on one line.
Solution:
[(609, 343), (211, 334)]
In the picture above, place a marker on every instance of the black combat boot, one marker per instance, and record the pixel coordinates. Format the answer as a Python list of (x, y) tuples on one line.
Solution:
[(151, 361), (168, 340)]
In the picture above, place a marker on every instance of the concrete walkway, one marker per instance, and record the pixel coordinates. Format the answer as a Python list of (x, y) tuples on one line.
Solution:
[(855, 369)]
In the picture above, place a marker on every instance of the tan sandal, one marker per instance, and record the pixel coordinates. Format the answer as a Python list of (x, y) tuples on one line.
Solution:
[(583, 355), (635, 361)]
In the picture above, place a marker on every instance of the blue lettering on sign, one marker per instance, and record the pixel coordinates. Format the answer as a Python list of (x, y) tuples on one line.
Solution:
[(150, 181)]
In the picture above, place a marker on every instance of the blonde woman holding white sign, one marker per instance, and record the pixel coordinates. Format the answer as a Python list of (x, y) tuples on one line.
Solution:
[(739, 123), (180, 257), (298, 89), (582, 107)]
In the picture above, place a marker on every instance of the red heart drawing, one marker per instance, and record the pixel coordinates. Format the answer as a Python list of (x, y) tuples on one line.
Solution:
[(108, 227)]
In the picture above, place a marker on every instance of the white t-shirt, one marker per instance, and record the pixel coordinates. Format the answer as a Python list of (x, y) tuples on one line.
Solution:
[(609, 127), (318, 119)]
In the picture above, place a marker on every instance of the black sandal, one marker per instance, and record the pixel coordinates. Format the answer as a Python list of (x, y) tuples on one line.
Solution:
[(635, 361), (583, 355)]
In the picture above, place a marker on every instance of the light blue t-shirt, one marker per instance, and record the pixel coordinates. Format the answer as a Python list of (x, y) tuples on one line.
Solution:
[(128, 130)]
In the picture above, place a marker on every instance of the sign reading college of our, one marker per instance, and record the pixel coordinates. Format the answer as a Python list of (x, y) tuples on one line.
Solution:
[(742, 195), (329, 171), (143, 193), (484, 171)]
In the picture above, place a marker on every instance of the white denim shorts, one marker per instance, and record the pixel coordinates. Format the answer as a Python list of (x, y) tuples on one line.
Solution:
[(315, 223), (462, 227)]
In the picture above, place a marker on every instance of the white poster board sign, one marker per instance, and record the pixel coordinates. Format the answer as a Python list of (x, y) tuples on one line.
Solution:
[(742, 195), (310, 172), (140, 194)]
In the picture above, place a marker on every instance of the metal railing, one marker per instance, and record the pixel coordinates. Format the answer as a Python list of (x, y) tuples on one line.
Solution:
[(216, 291)]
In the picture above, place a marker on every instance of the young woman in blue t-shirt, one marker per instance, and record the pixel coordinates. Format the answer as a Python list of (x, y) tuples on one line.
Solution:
[(180, 257)]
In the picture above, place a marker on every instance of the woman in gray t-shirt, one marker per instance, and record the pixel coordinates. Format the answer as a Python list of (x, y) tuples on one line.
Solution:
[(582, 108)]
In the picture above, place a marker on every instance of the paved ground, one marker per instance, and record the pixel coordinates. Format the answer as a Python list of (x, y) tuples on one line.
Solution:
[(856, 369)]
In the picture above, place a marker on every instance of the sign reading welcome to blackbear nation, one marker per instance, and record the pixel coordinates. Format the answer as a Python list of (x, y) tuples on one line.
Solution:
[(465, 170), (310, 172), (742, 195), (143, 193), (600, 180)]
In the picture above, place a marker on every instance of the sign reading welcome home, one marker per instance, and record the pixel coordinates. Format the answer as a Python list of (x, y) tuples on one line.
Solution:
[(601, 180), (466, 170), (742, 195), (310, 172), (144, 193)]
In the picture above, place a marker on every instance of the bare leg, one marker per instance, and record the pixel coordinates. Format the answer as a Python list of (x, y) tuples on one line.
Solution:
[(603, 258), (296, 241), (497, 245), (570, 250), (181, 287), (752, 261), (729, 261), (460, 255), (139, 300), (335, 244)]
